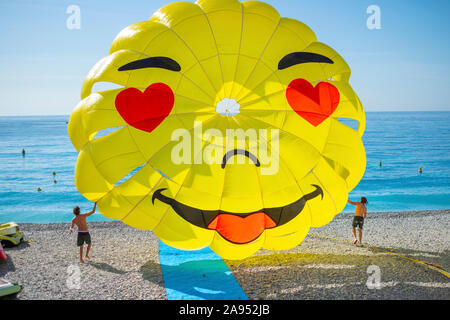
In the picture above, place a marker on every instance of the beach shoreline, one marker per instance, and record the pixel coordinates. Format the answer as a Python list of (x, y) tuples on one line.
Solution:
[(125, 262)]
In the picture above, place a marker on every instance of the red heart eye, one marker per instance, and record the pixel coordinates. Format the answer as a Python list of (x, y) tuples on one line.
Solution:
[(314, 104), (145, 110)]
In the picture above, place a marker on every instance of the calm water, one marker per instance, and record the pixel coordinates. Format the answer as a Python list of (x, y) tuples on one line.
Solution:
[(403, 142)]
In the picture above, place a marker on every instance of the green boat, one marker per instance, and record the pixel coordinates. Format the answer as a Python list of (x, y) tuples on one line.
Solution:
[(7, 288)]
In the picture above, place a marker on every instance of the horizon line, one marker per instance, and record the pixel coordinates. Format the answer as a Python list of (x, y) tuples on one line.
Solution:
[(444, 109)]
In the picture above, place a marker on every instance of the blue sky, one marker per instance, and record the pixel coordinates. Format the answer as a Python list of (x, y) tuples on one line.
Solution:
[(403, 66)]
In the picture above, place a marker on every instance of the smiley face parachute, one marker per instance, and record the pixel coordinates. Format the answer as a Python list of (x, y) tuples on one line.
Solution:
[(206, 69)]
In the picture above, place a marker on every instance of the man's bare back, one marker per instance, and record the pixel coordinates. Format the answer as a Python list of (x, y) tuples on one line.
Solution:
[(80, 222), (358, 219), (361, 210), (83, 233)]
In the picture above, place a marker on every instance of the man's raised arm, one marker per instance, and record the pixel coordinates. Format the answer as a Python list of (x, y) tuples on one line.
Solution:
[(91, 212)]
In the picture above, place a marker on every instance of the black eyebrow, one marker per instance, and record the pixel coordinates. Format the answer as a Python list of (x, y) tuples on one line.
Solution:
[(235, 152), (295, 58), (152, 62)]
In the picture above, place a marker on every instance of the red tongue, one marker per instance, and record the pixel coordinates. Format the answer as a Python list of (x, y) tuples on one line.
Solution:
[(241, 230)]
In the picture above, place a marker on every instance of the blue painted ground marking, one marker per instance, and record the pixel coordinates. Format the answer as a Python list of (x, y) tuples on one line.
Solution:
[(197, 275)]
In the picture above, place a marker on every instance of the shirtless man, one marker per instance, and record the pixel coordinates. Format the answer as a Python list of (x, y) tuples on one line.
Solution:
[(360, 215), (83, 233)]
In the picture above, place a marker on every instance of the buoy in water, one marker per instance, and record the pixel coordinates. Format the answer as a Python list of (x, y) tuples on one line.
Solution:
[(379, 164), (420, 170)]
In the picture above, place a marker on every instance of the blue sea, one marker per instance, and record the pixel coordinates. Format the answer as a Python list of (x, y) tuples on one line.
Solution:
[(401, 141)]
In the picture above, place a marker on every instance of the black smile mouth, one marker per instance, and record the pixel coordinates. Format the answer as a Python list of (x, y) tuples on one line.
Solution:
[(203, 218)]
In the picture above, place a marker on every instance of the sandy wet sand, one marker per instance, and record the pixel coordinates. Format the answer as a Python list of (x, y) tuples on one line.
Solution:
[(125, 262), (326, 265)]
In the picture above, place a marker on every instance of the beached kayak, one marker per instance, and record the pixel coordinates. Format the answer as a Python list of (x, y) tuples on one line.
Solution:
[(2, 253), (7, 288), (10, 234)]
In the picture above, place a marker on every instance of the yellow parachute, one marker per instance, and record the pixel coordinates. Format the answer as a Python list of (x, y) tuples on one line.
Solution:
[(227, 129)]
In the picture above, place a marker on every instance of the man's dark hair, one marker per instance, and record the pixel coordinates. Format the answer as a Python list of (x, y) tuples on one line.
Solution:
[(76, 210), (364, 200)]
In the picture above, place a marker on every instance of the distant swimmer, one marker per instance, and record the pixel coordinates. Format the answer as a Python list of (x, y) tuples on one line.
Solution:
[(23, 152), (360, 215), (83, 233)]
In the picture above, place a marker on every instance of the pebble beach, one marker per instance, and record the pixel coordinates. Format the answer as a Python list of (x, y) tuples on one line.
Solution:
[(408, 252)]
